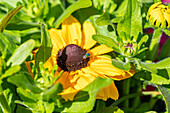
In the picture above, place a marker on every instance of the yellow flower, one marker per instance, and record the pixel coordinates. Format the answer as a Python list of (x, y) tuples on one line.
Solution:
[(159, 15), (72, 52)]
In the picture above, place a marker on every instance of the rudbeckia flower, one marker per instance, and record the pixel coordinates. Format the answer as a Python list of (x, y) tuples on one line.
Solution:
[(159, 15), (82, 63)]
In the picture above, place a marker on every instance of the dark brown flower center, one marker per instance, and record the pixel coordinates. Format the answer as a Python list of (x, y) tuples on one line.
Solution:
[(71, 58)]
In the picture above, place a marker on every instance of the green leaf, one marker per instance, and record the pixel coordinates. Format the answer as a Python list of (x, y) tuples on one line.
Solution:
[(20, 80), (77, 5), (85, 99), (151, 67), (165, 50), (52, 92), (11, 71), (121, 65), (44, 51), (107, 41), (21, 53), (163, 64), (104, 19), (166, 96), (131, 22), (49, 107), (6, 42), (142, 41), (110, 110), (153, 48), (8, 17)]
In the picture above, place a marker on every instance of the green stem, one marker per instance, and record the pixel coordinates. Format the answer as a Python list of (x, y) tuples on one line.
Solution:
[(3, 102), (126, 89)]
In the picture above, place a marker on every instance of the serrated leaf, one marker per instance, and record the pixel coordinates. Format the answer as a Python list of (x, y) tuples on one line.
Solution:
[(165, 63), (77, 5), (166, 96), (151, 67), (107, 41), (21, 53), (153, 48), (131, 20), (8, 17), (20, 80), (121, 65), (85, 99)]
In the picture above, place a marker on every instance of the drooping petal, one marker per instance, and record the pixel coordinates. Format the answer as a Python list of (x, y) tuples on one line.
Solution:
[(101, 49), (71, 30), (87, 32), (108, 92), (57, 39), (29, 67), (103, 65)]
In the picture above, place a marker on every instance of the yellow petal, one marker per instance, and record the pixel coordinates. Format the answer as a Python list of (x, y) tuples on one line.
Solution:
[(69, 93), (101, 49), (48, 64), (87, 32), (108, 92), (71, 30), (103, 65), (29, 67), (57, 39)]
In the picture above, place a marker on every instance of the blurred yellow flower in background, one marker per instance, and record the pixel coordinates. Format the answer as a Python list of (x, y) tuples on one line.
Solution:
[(159, 15)]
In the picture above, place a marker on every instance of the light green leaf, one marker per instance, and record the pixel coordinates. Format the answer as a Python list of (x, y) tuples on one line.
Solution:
[(104, 19), (131, 22), (77, 5), (49, 107), (165, 63), (166, 96), (153, 48), (107, 41), (13, 3), (121, 65), (85, 99), (20, 80), (8, 17), (142, 41), (21, 53), (52, 92), (11, 71), (167, 32), (151, 67)]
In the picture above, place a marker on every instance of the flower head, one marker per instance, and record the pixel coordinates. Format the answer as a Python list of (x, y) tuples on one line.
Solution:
[(159, 15), (72, 53)]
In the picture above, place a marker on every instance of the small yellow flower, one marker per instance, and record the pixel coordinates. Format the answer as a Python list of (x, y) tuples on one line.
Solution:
[(72, 52), (159, 15)]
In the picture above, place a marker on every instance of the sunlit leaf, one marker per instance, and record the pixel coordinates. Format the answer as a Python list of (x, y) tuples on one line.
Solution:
[(8, 17), (151, 67), (163, 64), (77, 5), (121, 65), (20, 80), (21, 53)]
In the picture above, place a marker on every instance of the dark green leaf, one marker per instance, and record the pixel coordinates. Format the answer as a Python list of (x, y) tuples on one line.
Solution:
[(85, 99), (166, 96), (153, 48), (44, 51), (163, 64), (107, 41), (8, 17), (165, 52), (77, 5), (110, 110), (131, 22), (52, 92), (20, 80), (121, 65), (21, 53)]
